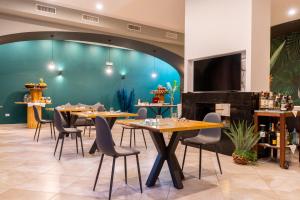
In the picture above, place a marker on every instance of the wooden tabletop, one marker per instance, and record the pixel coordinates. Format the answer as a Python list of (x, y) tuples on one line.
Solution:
[(71, 109), (104, 114), (156, 105), (21, 102), (171, 125), (277, 113)]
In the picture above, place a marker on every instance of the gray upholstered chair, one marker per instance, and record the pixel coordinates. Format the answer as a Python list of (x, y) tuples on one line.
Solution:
[(39, 124), (65, 131), (205, 137), (89, 122), (107, 147), (142, 114)]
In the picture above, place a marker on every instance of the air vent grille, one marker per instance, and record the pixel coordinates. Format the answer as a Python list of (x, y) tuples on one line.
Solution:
[(133, 27), (90, 18), (172, 35), (45, 9)]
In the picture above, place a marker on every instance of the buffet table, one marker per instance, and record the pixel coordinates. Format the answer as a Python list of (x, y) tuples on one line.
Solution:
[(157, 108)]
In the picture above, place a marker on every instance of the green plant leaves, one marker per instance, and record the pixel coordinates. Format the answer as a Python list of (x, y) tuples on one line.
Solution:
[(242, 136)]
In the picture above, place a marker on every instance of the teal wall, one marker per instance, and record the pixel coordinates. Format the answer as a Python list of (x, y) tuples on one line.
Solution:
[(83, 79)]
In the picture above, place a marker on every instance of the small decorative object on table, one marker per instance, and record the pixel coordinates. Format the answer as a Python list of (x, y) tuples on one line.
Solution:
[(171, 91), (159, 94), (244, 139)]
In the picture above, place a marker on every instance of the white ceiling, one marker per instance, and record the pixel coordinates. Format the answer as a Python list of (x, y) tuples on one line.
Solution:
[(168, 14), (280, 9)]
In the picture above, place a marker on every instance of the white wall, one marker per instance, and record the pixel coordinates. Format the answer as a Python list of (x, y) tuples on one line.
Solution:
[(219, 27)]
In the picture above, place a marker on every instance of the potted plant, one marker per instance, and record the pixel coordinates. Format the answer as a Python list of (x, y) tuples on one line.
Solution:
[(244, 139)]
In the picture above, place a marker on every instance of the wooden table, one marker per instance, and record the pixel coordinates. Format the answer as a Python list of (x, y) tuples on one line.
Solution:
[(282, 115), (111, 118), (157, 108), (167, 152), (67, 110)]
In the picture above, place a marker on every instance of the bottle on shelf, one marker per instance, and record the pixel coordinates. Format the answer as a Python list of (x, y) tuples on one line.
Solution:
[(278, 135), (283, 103), (287, 136), (295, 137), (271, 101), (272, 135), (262, 134)]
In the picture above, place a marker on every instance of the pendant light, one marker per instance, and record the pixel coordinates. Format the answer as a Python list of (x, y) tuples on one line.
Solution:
[(109, 64), (51, 65), (154, 71)]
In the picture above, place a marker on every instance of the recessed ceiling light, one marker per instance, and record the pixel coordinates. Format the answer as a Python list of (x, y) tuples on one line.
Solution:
[(99, 6), (292, 11)]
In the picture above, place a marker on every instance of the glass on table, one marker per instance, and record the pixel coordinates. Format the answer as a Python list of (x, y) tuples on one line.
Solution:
[(174, 115), (111, 109)]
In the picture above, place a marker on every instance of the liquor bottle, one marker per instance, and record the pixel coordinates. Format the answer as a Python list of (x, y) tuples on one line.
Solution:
[(271, 101), (283, 104), (278, 135), (262, 134), (272, 136), (295, 137), (287, 136)]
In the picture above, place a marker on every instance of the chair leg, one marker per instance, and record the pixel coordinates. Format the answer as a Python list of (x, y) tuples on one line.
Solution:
[(84, 130), (218, 159), (139, 172), (130, 137), (200, 160), (144, 138), (184, 154), (51, 131), (98, 172), (81, 145), (61, 147), (56, 146), (38, 136), (125, 168), (134, 137), (90, 131), (122, 136), (37, 127), (112, 177), (76, 144)]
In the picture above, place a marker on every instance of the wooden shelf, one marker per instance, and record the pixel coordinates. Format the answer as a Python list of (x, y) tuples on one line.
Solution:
[(268, 146), (20, 102)]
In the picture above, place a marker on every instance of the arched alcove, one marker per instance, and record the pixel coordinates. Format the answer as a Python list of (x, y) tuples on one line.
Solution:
[(25, 60)]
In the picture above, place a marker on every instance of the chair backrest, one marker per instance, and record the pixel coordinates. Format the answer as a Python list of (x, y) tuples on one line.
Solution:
[(212, 132), (58, 121), (104, 138), (142, 113), (36, 114), (101, 108)]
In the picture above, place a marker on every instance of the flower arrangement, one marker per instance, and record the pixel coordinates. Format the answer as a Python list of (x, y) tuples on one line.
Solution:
[(172, 90)]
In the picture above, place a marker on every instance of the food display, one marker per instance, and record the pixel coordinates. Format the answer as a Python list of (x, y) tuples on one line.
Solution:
[(41, 84), (159, 94)]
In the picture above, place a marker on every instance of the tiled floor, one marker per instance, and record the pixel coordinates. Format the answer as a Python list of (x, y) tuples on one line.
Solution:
[(28, 170)]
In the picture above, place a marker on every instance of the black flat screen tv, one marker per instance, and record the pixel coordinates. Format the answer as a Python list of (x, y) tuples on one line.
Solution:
[(218, 74)]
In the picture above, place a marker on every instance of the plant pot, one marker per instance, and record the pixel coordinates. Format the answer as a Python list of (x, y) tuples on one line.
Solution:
[(239, 159)]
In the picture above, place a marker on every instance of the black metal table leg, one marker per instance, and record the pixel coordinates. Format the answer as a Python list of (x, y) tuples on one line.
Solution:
[(165, 153), (111, 121)]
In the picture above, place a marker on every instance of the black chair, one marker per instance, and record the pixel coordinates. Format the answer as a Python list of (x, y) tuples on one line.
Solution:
[(142, 114), (107, 147), (205, 137), (65, 131), (39, 124), (89, 122)]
